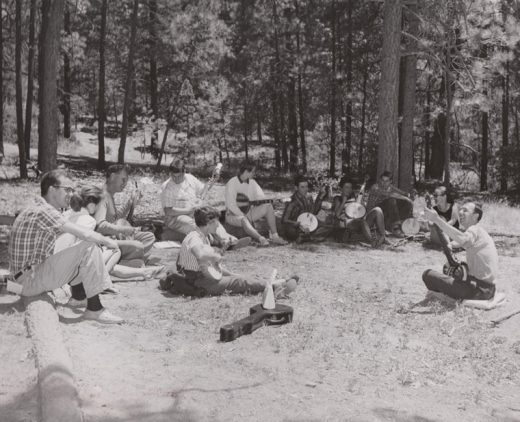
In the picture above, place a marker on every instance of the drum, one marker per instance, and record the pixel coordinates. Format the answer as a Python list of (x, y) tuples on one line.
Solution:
[(355, 210), (308, 220), (411, 226)]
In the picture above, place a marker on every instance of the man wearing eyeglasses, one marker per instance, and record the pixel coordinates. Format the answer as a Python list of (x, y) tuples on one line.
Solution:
[(36, 269)]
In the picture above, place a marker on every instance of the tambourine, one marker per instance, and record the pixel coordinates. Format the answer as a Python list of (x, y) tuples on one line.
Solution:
[(308, 220), (411, 226), (355, 210)]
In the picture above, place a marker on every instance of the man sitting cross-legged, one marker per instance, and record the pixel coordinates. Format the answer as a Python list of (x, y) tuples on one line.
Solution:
[(196, 255), (345, 225), (301, 202), (394, 203), (481, 255), (31, 245), (245, 184), (180, 195), (135, 245)]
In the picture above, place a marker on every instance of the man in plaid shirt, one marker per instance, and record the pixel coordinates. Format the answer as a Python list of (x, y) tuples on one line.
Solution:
[(395, 204), (35, 267)]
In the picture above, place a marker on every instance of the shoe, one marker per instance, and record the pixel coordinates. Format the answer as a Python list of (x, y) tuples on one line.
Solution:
[(112, 290), (102, 316), (153, 272), (75, 303), (263, 241), (277, 240), (240, 243), (165, 283)]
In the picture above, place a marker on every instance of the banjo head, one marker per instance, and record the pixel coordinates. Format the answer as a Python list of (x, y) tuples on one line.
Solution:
[(411, 226), (355, 210), (308, 220)]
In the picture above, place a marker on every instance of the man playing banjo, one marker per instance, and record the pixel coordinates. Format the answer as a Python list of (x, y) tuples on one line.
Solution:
[(358, 219), (244, 185), (199, 270), (180, 195), (481, 255), (299, 218)]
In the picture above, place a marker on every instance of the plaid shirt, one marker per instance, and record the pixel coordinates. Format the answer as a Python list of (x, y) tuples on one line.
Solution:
[(33, 236), (377, 194)]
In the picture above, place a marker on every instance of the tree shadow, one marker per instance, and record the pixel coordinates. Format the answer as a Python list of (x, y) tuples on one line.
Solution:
[(10, 304), (400, 416), (23, 407)]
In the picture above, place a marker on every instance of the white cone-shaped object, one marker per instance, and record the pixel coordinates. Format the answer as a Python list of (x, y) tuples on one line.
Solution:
[(268, 301)]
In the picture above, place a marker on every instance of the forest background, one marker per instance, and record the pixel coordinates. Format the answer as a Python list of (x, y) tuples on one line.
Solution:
[(426, 89)]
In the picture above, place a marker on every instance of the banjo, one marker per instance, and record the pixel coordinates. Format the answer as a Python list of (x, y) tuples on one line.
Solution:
[(356, 210), (308, 220)]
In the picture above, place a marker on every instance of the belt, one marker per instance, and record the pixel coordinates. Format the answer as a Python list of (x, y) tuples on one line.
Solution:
[(21, 272)]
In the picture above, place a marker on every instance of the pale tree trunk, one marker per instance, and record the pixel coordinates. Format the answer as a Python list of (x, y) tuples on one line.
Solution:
[(128, 83), (406, 156), (30, 80), (101, 96), (388, 148), (52, 22), (18, 84)]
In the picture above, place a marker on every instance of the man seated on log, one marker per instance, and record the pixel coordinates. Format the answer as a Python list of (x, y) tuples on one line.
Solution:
[(394, 203), (347, 226), (481, 256), (196, 259), (180, 195), (244, 187), (31, 245), (135, 244), (302, 202)]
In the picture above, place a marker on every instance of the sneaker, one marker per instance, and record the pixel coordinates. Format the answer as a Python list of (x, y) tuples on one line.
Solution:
[(75, 303), (263, 241), (277, 240), (240, 243), (102, 316)]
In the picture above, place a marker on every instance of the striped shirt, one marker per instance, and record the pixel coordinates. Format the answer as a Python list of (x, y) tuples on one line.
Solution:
[(186, 259), (33, 236)]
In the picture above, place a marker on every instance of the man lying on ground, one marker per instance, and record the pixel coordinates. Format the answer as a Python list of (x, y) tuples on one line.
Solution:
[(243, 185), (31, 245), (481, 256), (135, 244), (180, 195), (302, 202), (196, 256), (346, 226)]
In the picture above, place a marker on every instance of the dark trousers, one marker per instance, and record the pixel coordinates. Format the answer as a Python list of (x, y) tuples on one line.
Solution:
[(470, 289), (395, 211)]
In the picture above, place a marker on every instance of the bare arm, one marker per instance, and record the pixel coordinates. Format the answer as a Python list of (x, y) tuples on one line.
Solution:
[(455, 234), (88, 235), (205, 254)]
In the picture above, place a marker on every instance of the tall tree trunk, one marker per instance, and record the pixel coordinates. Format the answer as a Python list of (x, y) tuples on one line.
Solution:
[(301, 113), (363, 118), (30, 80), (152, 4), (101, 96), (484, 151), (505, 129), (1, 85), (246, 124), (18, 83), (333, 93), (292, 125), (348, 110), (275, 130), (66, 78), (259, 127), (128, 83), (52, 22), (388, 148), (426, 125)]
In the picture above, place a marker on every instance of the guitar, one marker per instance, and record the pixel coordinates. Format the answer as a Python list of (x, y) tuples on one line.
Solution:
[(258, 317), (454, 268), (244, 203)]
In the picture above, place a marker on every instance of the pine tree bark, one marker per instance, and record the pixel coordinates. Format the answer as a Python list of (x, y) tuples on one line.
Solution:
[(101, 96), (484, 157), (505, 128), (152, 5), (66, 78), (363, 119), (388, 148), (30, 80), (350, 76), (52, 22), (1, 86), (301, 113), (333, 91), (18, 88), (128, 82)]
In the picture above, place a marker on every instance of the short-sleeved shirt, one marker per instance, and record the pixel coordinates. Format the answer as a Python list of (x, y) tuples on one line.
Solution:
[(33, 236), (186, 259), (181, 195), (234, 186), (481, 254), (377, 194)]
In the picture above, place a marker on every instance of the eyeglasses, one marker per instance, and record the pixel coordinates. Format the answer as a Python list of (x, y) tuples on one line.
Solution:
[(67, 189), (435, 195)]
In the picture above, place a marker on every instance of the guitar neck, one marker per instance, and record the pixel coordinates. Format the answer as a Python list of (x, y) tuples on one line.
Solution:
[(261, 201), (444, 243)]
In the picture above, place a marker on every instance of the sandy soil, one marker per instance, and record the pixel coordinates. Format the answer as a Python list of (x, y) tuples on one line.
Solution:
[(348, 355)]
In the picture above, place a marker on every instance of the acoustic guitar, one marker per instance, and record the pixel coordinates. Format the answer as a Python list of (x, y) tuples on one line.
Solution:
[(258, 317), (244, 204), (454, 268)]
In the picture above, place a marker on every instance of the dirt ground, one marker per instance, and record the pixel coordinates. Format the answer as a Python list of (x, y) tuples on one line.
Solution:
[(348, 355)]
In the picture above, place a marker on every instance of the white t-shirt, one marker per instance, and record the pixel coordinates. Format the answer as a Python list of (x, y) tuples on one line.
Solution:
[(234, 186), (481, 254), (181, 195), (81, 218)]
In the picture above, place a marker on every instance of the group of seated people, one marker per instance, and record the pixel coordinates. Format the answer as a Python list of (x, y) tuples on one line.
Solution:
[(91, 242)]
